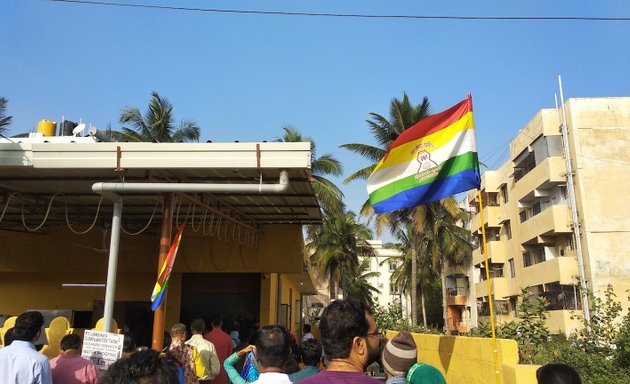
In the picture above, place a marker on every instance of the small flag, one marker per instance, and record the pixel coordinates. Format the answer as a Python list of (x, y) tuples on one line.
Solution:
[(165, 272), (434, 159)]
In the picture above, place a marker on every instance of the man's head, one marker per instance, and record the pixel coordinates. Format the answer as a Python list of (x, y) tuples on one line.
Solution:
[(557, 374), (9, 336), (273, 347), (311, 352), (216, 320), (28, 326), (197, 326), (399, 354), (71, 342), (348, 331), (306, 328), (178, 332), (142, 367)]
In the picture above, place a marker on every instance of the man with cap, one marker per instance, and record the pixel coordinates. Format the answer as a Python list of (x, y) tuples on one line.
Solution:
[(399, 355)]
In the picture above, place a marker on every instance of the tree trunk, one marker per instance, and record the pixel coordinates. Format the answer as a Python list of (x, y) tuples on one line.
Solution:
[(414, 287), (331, 284), (444, 302), (424, 308)]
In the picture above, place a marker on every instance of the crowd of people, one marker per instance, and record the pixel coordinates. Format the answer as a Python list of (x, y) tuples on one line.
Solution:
[(350, 342)]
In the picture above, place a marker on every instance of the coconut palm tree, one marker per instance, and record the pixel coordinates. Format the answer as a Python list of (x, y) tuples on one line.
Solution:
[(356, 284), (157, 125), (414, 244), (336, 246), (329, 195), (403, 115), (5, 120)]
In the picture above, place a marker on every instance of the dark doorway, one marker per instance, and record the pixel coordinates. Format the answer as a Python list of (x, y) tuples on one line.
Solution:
[(134, 316), (234, 295)]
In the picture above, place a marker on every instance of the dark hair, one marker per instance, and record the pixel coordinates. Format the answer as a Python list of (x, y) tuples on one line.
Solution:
[(273, 346), (9, 336), (216, 320), (70, 341), (291, 366), (197, 325), (557, 374), (341, 322), (306, 328), (129, 342), (28, 325), (311, 352), (141, 367)]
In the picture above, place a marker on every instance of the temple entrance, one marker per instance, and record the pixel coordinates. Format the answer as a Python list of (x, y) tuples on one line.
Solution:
[(234, 295)]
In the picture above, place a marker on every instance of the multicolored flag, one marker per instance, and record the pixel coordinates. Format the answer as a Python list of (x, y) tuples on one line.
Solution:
[(165, 272), (434, 159)]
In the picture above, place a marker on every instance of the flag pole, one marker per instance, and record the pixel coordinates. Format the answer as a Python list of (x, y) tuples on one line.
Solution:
[(159, 316), (497, 368)]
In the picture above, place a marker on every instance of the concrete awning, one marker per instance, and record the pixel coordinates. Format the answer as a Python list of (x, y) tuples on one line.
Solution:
[(32, 173)]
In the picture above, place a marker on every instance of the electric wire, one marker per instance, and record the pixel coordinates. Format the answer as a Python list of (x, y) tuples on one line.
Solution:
[(344, 15)]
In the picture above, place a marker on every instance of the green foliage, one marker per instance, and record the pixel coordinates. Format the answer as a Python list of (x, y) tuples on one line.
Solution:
[(482, 330), (5, 120), (600, 335), (622, 355), (315, 316), (386, 318)]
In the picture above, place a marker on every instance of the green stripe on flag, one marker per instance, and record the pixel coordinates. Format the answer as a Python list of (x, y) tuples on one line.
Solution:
[(450, 167)]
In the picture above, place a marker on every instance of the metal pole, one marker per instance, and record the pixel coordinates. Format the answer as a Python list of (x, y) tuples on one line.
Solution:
[(159, 315), (495, 350), (279, 299), (574, 212), (112, 267)]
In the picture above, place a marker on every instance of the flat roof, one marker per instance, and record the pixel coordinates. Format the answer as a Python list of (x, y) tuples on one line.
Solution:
[(34, 172)]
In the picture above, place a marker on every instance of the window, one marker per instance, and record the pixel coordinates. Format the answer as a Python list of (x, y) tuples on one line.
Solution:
[(511, 267), (504, 193), (392, 266), (570, 243), (514, 305), (493, 199), (563, 192), (393, 289), (508, 230), (523, 215), (527, 259), (536, 208)]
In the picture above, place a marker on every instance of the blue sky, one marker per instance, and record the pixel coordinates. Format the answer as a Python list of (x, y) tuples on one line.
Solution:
[(244, 77)]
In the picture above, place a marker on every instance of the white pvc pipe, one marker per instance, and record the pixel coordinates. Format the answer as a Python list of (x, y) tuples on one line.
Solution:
[(122, 187), (111, 191), (112, 266)]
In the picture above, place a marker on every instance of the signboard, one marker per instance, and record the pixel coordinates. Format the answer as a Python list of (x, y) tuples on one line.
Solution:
[(102, 348)]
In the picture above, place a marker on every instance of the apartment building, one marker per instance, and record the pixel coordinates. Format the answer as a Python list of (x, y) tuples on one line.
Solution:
[(528, 218), (385, 262), (461, 310)]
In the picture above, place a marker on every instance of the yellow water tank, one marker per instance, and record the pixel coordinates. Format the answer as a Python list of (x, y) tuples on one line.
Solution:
[(47, 127)]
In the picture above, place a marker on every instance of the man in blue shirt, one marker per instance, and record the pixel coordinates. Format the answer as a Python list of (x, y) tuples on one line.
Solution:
[(20, 363), (311, 353)]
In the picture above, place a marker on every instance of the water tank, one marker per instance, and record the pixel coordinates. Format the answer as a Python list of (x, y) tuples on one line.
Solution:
[(66, 128), (47, 127)]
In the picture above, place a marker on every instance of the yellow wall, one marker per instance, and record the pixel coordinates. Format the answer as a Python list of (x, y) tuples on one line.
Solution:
[(33, 266), (470, 360)]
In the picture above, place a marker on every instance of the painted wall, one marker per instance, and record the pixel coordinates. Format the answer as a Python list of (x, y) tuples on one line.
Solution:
[(470, 360), (33, 267)]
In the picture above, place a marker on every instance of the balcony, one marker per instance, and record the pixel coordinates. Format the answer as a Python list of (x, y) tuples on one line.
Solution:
[(455, 270), (491, 216), (499, 288), (458, 324), (560, 321), (496, 253), (457, 296), (561, 270), (553, 220), (550, 171)]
